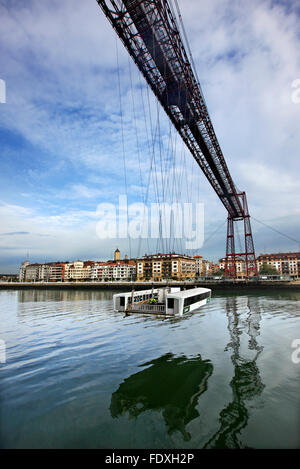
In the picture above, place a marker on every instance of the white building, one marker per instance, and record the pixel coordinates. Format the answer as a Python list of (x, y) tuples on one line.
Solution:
[(78, 270), (114, 270)]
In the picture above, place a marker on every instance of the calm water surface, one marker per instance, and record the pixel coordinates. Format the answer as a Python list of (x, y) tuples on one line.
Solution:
[(79, 375)]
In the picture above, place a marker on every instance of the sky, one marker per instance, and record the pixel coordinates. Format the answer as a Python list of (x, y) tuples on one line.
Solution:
[(79, 128)]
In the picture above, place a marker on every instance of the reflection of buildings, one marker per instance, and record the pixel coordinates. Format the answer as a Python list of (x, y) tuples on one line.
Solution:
[(41, 295), (246, 383), (170, 384)]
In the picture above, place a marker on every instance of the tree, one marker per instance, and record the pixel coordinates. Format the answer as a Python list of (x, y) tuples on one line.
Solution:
[(268, 269), (219, 273)]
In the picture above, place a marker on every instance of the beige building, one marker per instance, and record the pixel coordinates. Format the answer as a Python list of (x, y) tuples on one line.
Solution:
[(22, 274), (55, 272), (32, 273), (158, 267), (78, 270), (240, 267), (114, 270), (199, 265), (287, 263), (205, 268)]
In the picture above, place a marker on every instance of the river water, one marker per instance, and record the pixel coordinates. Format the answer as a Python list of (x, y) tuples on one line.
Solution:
[(76, 374)]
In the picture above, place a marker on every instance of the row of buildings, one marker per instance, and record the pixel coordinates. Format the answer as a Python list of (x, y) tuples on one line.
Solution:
[(154, 267), (284, 264), (287, 263)]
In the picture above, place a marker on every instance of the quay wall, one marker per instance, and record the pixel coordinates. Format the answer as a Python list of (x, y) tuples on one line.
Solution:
[(147, 285)]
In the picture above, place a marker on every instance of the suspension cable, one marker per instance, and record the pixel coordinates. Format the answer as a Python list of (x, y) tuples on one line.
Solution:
[(277, 231)]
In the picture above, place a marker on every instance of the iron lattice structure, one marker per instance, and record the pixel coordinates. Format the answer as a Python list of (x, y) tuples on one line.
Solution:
[(149, 31)]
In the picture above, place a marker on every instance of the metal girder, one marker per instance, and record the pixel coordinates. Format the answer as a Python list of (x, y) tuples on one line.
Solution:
[(149, 31)]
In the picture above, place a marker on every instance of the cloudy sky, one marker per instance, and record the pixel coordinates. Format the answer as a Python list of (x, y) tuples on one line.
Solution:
[(80, 128)]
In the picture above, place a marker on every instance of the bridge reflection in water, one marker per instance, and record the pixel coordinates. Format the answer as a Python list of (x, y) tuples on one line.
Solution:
[(246, 383), (171, 384)]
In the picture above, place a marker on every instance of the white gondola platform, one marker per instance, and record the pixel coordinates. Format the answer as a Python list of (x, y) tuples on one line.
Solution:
[(166, 302)]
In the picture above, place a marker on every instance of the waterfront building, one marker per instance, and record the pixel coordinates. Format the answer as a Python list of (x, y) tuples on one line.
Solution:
[(78, 270), (48, 272), (22, 273), (158, 267), (209, 268), (32, 273), (240, 266), (124, 270), (198, 265), (55, 272), (286, 263), (114, 270)]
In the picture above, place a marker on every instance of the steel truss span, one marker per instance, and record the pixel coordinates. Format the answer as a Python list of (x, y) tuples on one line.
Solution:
[(149, 31)]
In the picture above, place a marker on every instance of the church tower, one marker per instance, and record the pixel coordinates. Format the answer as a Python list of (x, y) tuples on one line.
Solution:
[(117, 255)]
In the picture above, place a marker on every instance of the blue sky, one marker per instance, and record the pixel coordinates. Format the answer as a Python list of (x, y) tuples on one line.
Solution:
[(62, 151)]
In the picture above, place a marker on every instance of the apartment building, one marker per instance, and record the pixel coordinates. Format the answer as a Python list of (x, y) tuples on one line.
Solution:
[(157, 267), (286, 263), (78, 270), (49, 272), (114, 270), (208, 268), (240, 266), (22, 273), (32, 273), (55, 272), (199, 265)]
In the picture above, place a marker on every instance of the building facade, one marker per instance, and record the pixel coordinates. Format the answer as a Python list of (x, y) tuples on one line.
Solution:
[(114, 270), (239, 265), (78, 271), (22, 274), (199, 265), (158, 267), (287, 263), (51, 272)]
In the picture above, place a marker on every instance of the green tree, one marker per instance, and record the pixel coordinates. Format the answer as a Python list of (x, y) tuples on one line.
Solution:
[(267, 269), (219, 273)]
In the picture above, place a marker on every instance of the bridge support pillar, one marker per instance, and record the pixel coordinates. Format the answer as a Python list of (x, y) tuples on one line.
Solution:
[(247, 258)]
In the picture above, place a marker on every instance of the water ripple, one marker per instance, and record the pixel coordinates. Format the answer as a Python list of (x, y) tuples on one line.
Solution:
[(216, 378)]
